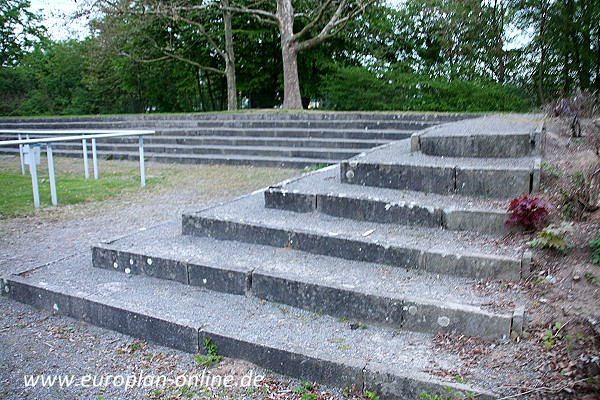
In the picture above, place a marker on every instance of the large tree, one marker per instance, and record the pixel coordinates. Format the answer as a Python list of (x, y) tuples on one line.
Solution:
[(173, 29), (303, 25)]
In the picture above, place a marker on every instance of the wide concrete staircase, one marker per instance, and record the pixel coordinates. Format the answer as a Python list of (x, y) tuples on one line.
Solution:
[(274, 139), (342, 276)]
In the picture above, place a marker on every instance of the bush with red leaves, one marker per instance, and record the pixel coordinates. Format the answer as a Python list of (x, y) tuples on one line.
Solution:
[(527, 211)]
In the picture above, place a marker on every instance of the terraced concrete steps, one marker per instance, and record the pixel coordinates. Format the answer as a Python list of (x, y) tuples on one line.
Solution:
[(276, 151), (270, 134), (428, 249), (228, 124), (395, 166), (231, 159), (369, 292), (490, 136), (283, 339), (323, 191)]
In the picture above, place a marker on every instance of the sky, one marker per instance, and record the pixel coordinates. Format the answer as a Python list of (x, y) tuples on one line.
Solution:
[(54, 13)]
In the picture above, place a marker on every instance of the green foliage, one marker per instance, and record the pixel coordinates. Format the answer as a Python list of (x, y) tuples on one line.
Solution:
[(595, 245), (304, 387), (357, 88), (449, 394), (553, 237), (20, 29), (371, 395), (551, 170), (212, 357)]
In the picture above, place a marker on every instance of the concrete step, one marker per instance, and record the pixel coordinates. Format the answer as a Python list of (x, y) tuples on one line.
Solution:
[(262, 133), (216, 123), (241, 141), (490, 136), (225, 159), (418, 248), (257, 115), (368, 292), (272, 151), (317, 348), (279, 132), (323, 191), (395, 166)]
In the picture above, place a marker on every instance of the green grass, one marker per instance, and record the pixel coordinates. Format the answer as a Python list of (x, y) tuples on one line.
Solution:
[(16, 195)]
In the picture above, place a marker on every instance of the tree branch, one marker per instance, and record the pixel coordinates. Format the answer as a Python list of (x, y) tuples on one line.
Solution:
[(335, 24), (308, 27), (203, 32)]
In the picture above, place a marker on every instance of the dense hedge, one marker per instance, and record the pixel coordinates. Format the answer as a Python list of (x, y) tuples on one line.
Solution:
[(357, 88)]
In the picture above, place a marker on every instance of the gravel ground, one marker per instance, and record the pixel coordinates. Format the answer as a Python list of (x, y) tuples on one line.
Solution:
[(35, 342)]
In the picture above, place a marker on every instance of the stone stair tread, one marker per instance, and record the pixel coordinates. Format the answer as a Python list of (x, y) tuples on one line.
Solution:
[(159, 147), (327, 182), (489, 125), (431, 249), (398, 153), (487, 315), (250, 209), (296, 342)]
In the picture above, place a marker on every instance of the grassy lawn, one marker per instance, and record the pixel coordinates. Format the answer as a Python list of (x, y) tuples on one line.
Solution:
[(16, 194), (120, 182)]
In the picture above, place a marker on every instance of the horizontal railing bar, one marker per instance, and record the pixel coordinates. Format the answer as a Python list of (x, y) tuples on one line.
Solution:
[(80, 135)]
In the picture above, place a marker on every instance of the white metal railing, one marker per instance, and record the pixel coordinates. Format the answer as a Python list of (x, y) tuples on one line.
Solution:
[(29, 152)]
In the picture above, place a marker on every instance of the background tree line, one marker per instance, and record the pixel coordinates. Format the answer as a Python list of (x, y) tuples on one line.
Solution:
[(189, 56)]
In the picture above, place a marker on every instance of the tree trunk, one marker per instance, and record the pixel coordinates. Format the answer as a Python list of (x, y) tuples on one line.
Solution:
[(229, 58), (289, 52), (542, 39)]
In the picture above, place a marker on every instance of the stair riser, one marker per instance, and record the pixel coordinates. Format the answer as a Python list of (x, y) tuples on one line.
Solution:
[(474, 266), (378, 125), (260, 135), (274, 163), (217, 279), (259, 124), (341, 371), (84, 308), (379, 211), (497, 183), (276, 152), (501, 146), (258, 116), (396, 312), (299, 133)]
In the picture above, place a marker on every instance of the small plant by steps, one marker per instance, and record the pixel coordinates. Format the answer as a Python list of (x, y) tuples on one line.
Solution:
[(527, 211), (212, 354), (553, 237), (595, 245)]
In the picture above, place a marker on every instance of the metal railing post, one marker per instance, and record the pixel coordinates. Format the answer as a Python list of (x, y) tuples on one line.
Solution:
[(86, 164), (95, 159), (50, 157), (34, 178), (21, 155), (142, 166)]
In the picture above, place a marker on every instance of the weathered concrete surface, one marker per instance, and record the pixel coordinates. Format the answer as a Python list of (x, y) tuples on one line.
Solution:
[(172, 314), (322, 191), (394, 166), (369, 292), (434, 250), (491, 136)]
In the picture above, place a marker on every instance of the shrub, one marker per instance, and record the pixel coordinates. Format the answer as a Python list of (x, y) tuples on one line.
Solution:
[(553, 237), (527, 211), (595, 245)]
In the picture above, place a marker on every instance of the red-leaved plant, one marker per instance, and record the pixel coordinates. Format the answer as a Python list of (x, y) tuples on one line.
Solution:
[(527, 211)]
